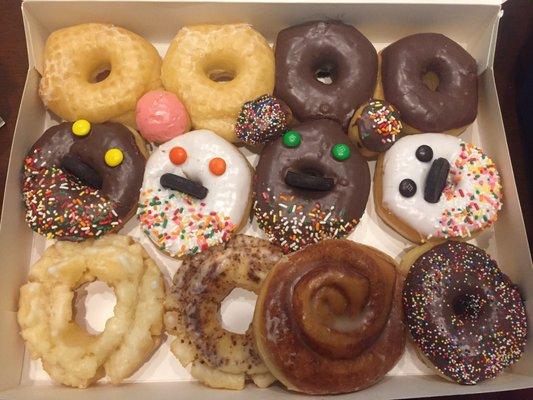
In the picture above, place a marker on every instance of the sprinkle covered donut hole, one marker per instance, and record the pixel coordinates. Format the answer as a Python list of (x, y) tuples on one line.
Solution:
[(464, 314)]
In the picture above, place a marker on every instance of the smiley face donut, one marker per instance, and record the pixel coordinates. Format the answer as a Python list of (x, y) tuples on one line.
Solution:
[(196, 192), (310, 184), (82, 180), (435, 186)]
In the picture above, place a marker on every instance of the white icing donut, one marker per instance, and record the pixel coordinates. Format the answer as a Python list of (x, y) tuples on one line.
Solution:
[(470, 200), (180, 224)]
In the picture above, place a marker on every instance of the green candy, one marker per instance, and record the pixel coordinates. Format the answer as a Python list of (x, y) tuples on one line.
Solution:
[(340, 152), (292, 139)]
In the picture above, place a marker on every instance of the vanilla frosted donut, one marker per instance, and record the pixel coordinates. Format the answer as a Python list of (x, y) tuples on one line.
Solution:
[(437, 186), (196, 192)]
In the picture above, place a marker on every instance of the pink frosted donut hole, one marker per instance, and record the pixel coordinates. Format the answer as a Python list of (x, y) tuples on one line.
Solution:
[(161, 116)]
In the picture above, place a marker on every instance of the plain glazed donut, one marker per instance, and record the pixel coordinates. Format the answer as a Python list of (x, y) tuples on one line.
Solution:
[(324, 50), (466, 317), (82, 180), (70, 354), (436, 186), (328, 318), (219, 358), (452, 106), (74, 57), (215, 69), (310, 184)]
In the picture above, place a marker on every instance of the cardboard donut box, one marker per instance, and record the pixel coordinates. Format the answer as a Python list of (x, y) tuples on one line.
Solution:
[(472, 23)]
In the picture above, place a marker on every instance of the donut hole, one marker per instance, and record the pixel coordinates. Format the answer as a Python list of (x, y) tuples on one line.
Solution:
[(221, 75), (100, 73), (325, 73), (237, 310), (431, 80), (468, 305), (93, 305), (218, 69)]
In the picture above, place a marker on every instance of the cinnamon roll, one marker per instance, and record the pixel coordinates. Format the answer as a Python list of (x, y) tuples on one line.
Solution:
[(328, 318)]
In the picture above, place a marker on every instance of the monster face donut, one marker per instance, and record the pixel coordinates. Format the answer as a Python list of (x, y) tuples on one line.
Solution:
[(215, 69), (82, 180), (465, 316), (324, 69), (196, 193), (436, 186), (97, 72), (432, 81), (310, 184)]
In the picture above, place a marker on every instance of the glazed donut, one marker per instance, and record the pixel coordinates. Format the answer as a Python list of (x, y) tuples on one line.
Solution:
[(310, 184), (328, 318), (432, 80), (309, 54), (207, 63), (375, 127), (465, 316), (69, 354), (434, 186), (219, 358), (196, 192), (76, 60), (82, 180)]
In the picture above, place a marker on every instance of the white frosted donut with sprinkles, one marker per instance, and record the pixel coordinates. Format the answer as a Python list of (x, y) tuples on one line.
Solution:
[(196, 192), (439, 186)]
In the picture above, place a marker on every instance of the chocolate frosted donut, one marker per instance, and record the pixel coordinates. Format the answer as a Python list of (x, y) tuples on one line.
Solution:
[(339, 55), (83, 184), (310, 184), (464, 314), (453, 103)]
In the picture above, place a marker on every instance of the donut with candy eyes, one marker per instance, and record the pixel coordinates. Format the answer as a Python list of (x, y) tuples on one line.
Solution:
[(436, 186), (196, 192), (310, 184)]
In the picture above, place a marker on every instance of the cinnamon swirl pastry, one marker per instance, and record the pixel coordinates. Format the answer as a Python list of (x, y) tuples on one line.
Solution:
[(328, 318)]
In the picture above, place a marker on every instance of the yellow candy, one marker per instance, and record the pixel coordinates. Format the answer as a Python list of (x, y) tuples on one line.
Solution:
[(81, 127), (113, 157)]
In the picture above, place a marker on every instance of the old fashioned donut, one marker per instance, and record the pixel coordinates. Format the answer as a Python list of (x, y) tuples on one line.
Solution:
[(328, 318), (69, 354), (435, 186), (310, 184), (76, 60), (445, 100), (196, 193), (465, 316), (219, 358), (215, 69), (82, 180), (324, 69)]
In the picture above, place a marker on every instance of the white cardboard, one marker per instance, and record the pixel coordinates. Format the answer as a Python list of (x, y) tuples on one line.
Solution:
[(471, 23)]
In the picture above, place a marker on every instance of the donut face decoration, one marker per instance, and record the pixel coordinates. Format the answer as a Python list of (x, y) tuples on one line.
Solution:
[(82, 180), (310, 184), (441, 186), (195, 193)]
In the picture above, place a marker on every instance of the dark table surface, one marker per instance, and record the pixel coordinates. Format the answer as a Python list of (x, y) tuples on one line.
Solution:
[(516, 29)]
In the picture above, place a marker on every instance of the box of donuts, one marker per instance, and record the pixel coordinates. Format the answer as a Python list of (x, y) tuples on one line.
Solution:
[(259, 200)]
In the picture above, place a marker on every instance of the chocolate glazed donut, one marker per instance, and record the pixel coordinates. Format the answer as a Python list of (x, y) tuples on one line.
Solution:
[(453, 103), (324, 50), (70, 192), (305, 192)]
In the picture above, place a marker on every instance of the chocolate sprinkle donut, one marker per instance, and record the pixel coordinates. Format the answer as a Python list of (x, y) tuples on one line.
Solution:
[(464, 314)]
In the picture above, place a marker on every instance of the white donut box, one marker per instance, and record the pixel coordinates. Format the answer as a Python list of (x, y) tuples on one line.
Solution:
[(472, 23)]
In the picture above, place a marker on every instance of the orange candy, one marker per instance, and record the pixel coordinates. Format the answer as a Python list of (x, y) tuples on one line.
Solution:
[(178, 155), (217, 166)]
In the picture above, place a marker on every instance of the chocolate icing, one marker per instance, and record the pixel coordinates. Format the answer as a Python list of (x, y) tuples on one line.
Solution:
[(465, 315), (120, 185), (330, 47), (453, 104), (289, 215), (379, 125)]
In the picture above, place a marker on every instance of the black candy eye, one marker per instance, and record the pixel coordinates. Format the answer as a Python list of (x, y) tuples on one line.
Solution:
[(407, 188), (424, 153)]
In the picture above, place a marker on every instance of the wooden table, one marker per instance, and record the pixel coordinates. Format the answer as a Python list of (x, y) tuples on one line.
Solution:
[(515, 26)]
